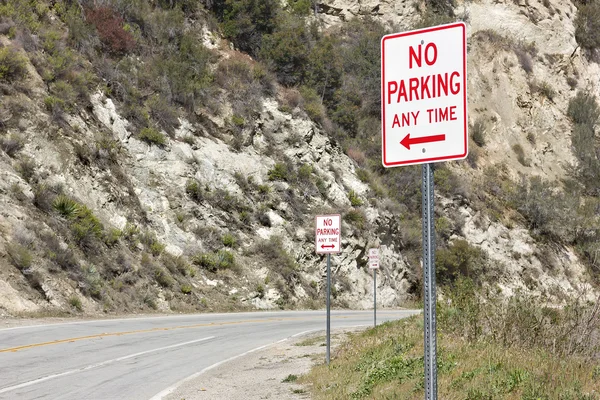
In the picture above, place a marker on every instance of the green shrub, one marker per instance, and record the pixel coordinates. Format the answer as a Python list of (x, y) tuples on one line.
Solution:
[(587, 25), (305, 173), (518, 149), (278, 259), (157, 248), (55, 105), (229, 240), (584, 109), (193, 189), (354, 199), (238, 120), (186, 289), (92, 282), (65, 95), (279, 172), (66, 206), (300, 7), (246, 21), (11, 145), (26, 167), (152, 136), (163, 278), (75, 302), (544, 89), (131, 234), (43, 197), (356, 218), (85, 226), (13, 65), (227, 201), (260, 289), (19, 255), (163, 113), (27, 13), (206, 261), (225, 259), (290, 378), (312, 104), (459, 259), (288, 49), (112, 237), (478, 131)]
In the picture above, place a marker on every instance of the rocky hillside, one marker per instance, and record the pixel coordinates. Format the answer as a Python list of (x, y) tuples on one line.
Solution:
[(172, 155)]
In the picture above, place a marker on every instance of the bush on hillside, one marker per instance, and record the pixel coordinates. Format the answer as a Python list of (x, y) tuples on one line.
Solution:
[(11, 145), (110, 29), (13, 65), (584, 109), (288, 49), (587, 25), (459, 259), (522, 320), (246, 21), (478, 131), (152, 136)]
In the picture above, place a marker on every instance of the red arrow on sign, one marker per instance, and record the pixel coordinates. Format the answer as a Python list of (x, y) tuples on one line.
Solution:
[(407, 141), (328, 246)]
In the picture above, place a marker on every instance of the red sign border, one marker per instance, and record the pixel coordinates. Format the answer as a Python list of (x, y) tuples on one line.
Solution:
[(339, 236), (411, 33)]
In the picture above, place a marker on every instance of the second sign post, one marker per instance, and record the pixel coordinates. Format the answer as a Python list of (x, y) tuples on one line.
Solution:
[(374, 265), (328, 240)]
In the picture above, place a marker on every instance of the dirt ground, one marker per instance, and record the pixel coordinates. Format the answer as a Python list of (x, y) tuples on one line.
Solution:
[(265, 374)]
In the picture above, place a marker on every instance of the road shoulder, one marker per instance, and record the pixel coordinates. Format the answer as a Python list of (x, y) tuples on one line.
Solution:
[(269, 373)]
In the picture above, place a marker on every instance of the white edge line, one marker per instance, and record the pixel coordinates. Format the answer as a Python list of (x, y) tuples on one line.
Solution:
[(100, 364), (172, 388)]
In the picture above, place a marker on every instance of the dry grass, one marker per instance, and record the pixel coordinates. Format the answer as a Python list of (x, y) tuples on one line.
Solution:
[(386, 363)]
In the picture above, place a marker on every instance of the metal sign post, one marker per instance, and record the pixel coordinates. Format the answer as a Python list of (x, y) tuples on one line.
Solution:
[(374, 297), (429, 295), (374, 265), (328, 307)]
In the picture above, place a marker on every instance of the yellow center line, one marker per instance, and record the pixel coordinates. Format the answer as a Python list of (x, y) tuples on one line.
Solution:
[(103, 335)]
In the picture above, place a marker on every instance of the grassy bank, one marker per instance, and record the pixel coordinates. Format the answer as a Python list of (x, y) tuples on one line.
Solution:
[(512, 349), (387, 363)]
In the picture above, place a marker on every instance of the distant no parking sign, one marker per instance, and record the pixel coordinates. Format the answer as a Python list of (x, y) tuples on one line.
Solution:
[(328, 236)]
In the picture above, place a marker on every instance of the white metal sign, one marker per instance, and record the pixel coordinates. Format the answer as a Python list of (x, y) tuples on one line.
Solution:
[(424, 95), (374, 258), (328, 237)]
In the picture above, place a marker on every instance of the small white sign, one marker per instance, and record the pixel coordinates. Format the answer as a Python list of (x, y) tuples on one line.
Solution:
[(424, 95), (374, 258), (328, 237)]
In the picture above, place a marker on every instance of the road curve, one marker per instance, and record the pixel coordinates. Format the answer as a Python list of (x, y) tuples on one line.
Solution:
[(144, 358)]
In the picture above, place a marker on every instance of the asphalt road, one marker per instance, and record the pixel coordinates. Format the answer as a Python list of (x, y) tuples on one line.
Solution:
[(144, 358)]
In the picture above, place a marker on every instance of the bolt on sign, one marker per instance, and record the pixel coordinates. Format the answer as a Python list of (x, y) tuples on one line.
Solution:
[(328, 234), (424, 95)]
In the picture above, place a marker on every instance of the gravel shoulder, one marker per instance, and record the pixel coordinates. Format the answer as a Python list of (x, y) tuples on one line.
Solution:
[(268, 373)]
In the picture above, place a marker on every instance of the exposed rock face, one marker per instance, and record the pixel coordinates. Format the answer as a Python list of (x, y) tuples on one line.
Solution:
[(146, 185), (398, 13)]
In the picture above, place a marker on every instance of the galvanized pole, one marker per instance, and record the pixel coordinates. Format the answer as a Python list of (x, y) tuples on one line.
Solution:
[(374, 297), (328, 305), (429, 296)]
